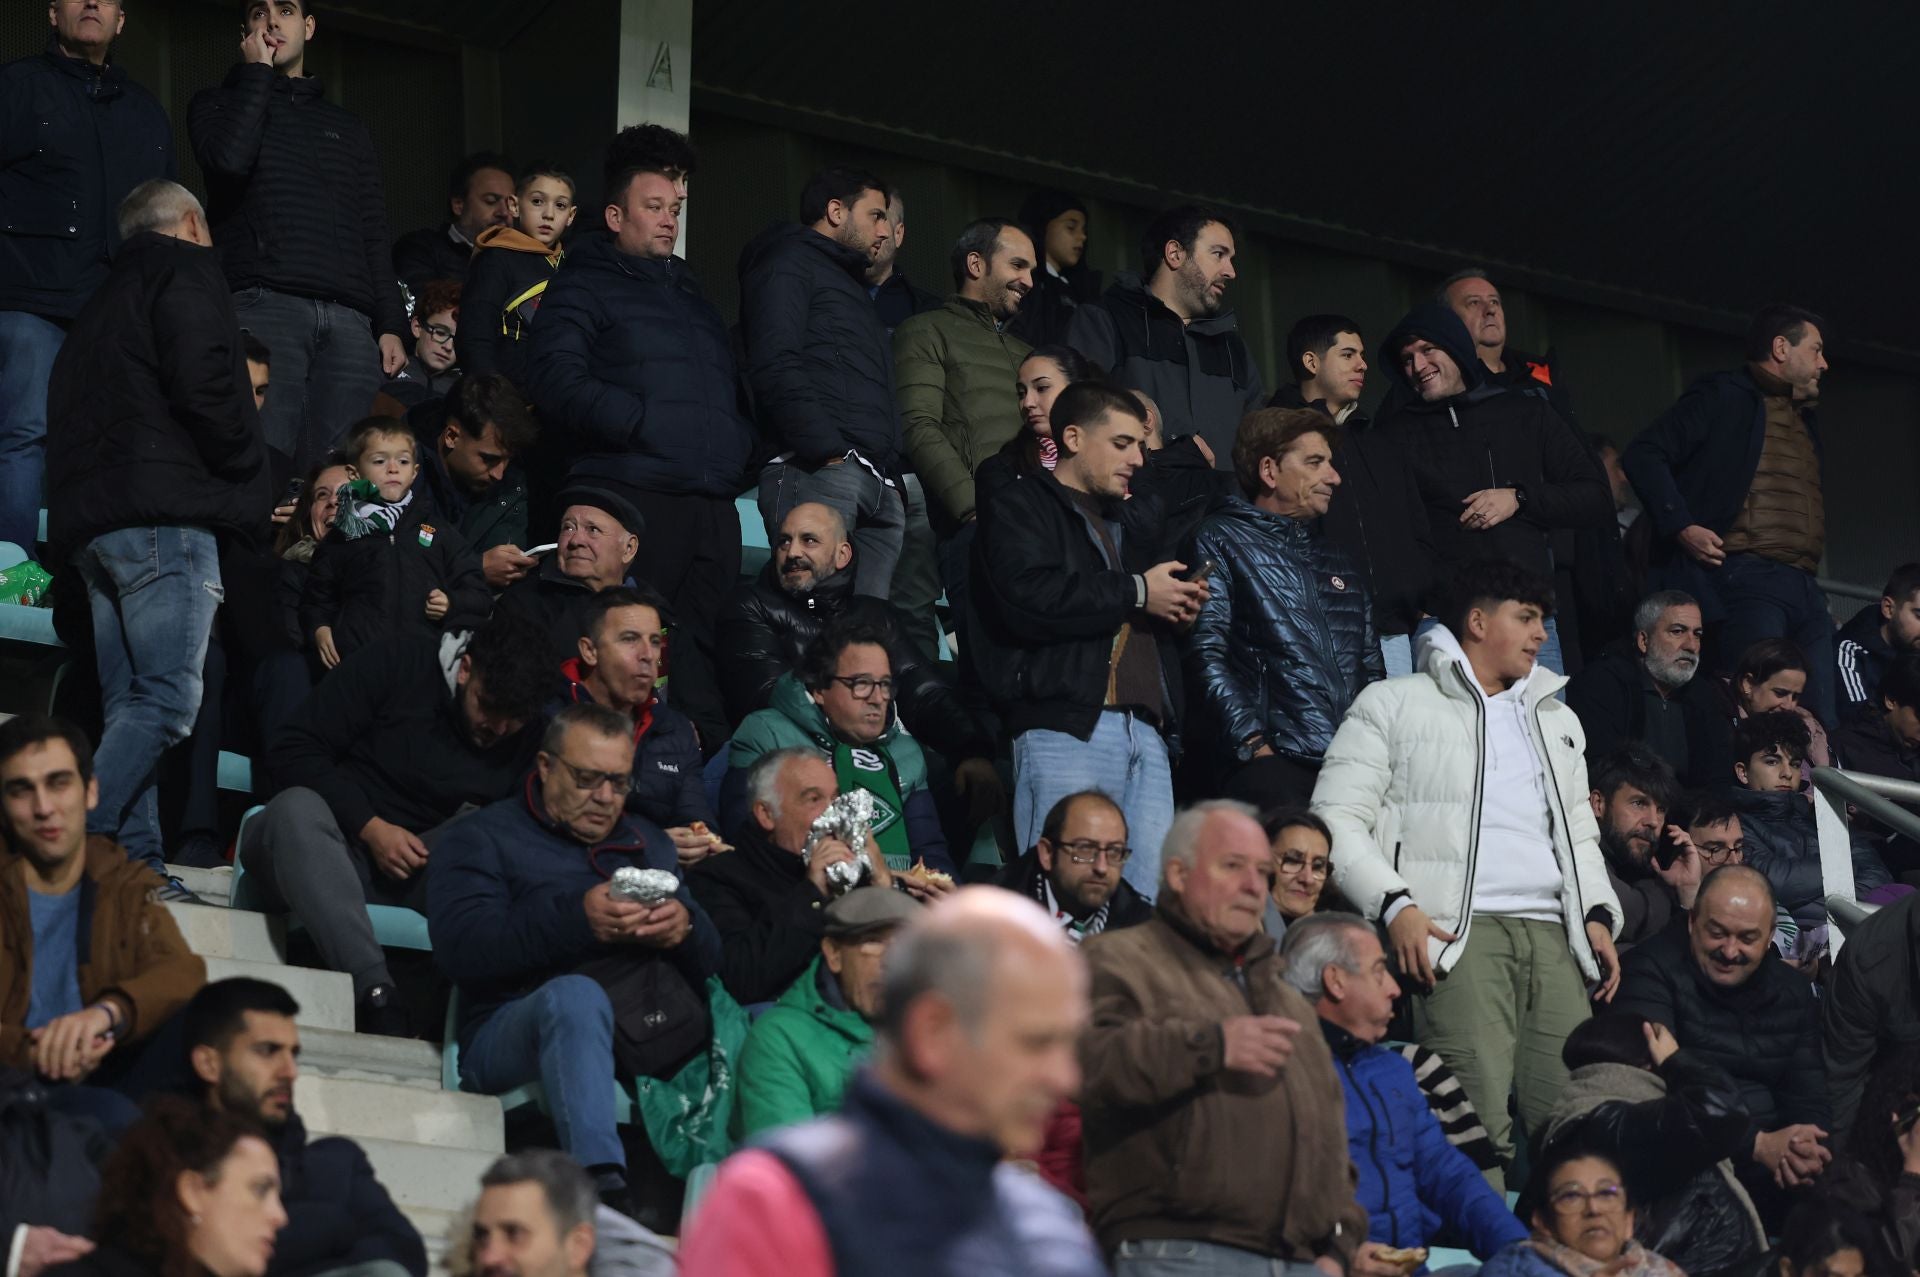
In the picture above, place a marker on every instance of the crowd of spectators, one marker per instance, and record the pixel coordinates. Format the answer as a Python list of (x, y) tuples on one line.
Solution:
[(1483, 742)]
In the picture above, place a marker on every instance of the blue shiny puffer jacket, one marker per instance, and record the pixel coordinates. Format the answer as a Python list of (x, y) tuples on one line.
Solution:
[(1286, 640)]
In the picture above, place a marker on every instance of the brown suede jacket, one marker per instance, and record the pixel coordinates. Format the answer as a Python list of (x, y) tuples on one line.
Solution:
[(1179, 1147), (134, 950)]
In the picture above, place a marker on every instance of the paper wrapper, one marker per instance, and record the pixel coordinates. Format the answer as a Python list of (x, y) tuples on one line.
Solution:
[(643, 886), (848, 818)]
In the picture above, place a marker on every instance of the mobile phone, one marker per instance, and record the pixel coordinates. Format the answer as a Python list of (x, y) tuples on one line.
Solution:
[(1904, 1122), (1665, 850), (1202, 572), (539, 550), (294, 488)]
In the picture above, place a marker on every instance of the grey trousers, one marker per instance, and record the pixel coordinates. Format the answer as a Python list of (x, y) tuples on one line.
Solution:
[(1175, 1258), (916, 577)]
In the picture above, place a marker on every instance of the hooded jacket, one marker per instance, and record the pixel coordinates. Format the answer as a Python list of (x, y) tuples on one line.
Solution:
[(1376, 516), (151, 423), (818, 358), (954, 373), (1872, 1003), (668, 786), (378, 584), (1177, 1145), (1783, 843), (1862, 655), (1285, 641), (339, 1215), (509, 277), (504, 904), (74, 140), (1412, 1183), (294, 195), (763, 630), (799, 1056), (1490, 437), (632, 367), (1201, 373), (793, 720), (1401, 789), (129, 946)]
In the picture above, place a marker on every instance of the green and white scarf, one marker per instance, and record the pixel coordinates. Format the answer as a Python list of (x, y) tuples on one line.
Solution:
[(363, 513)]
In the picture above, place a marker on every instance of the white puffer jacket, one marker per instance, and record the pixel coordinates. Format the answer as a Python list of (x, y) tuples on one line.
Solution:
[(1401, 791)]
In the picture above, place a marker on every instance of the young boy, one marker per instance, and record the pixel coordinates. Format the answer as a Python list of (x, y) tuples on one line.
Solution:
[(390, 563), (511, 270), (1778, 823), (431, 364)]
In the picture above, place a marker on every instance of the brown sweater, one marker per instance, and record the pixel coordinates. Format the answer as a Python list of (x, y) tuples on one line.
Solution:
[(1784, 516), (136, 951), (1178, 1147)]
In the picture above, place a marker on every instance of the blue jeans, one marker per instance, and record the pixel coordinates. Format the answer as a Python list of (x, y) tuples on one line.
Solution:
[(28, 345), (1175, 1258), (1125, 759), (875, 515), (326, 370), (561, 1036), (1764, 599), (153, 592), (1396, 653)]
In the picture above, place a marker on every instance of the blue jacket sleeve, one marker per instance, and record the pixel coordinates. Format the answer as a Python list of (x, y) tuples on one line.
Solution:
[(1452, 1186), (560, 379), (775, 302), (1661, 450), (481, 931)]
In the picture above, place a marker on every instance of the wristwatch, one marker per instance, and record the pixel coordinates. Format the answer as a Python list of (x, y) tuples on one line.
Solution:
[(1247, 748), (1519, 497)]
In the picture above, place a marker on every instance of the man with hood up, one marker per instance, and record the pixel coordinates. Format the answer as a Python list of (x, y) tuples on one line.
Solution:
[(1497, 470)]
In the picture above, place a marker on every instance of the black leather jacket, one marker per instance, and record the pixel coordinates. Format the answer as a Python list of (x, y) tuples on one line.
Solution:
[(1286, 639)]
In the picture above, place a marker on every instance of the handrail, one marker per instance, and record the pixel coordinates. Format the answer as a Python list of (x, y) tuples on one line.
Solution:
[(1848, 590), (1875, 795), (1834, 792), (1848, 913)]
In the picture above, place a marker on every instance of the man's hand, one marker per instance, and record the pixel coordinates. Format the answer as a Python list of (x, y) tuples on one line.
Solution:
[(693, 845), (70, 1047), (1325, 1263), (505, 564), (827, 853), (1257, 1044), (928, 889), (978, 781), (1703, 544), (1660, 1043), (323, 644), (1793, 1155), (1366, 1263), (437, 604), (1608, 958), (610, 918), (1684, 874), (665, 926), (255, 47), (393, 355), (882, 876), (1409, 931), (1171, 599), (46, 1247), (1200, 442), (1488, 508), (283, 513), (397, 853)]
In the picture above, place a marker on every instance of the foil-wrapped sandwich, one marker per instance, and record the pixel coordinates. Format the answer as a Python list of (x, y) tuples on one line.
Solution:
[(848, 818), (643, 886)]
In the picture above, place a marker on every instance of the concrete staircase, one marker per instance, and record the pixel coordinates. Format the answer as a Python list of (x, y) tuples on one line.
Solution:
[(427, 1144)]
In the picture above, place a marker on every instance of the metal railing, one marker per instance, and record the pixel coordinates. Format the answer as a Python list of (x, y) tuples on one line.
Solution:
[(1876, 796)]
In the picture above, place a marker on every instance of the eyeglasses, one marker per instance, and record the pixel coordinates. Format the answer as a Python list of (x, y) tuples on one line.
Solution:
[(1085, 851), (1292, 862), (1715, 853), (1572, 1201), (588, 782), (439, 332), (863, 686)]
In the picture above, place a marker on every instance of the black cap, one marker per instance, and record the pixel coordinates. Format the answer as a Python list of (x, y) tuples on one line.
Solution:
[(602, 499)]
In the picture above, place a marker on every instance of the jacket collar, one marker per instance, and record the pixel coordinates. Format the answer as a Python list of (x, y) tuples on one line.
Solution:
[(754, 846), (1344, 1044), (1438, 654), (103, 81), (574, 671), (1131, 291), (512, 237), (1169, 909), (793, 700), (952, 1159), (623, 839), (978, 312)]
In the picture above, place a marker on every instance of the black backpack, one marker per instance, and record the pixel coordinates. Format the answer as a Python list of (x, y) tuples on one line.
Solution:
[(49, 1162)]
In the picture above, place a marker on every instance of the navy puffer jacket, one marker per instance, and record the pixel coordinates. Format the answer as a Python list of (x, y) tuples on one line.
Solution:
[(631, 365), (1285, 641)]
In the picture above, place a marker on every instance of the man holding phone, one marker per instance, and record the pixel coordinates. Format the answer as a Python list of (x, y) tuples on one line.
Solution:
[(1285, 638)]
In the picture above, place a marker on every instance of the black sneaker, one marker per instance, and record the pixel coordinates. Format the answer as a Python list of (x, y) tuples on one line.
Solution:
[(381, 1011), (199, 851), (172, 891)]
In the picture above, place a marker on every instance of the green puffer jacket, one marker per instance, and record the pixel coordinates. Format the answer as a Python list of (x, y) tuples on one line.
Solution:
[(798, 1058), (953, 376)]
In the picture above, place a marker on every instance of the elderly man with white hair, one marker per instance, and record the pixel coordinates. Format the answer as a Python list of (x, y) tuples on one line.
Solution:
[(1212, 1123), (154, 456), (1650, 696)]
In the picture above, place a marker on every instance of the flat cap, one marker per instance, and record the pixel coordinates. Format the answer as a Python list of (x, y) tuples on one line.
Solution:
[(602, 499), (867, 909)]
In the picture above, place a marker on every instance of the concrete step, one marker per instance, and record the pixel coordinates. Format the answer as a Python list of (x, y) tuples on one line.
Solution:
[(215, 886), (215, 931), (325, 997), (371, 1057), (436, 1230), (418, 1175), (392, 1110)]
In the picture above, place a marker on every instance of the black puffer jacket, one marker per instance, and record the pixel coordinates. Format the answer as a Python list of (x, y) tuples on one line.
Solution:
[(1764, 1033), (550, 600), (1669, 1148), (74, 139), (1285, 640), (1045, 604), (378, 584), (150, 421), (431, 253), (1784, 844), (1491, 437), (1377, 517), (631, 366), (1872, 1003), (763, 630), (294, 193), (818, 358)]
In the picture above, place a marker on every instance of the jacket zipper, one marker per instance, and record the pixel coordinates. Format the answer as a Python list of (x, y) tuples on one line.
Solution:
[(1553, 781), (1479, 802), (1373, 1148)]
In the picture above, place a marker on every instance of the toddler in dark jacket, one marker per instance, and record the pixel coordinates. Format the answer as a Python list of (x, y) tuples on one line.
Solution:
[(390, 564)]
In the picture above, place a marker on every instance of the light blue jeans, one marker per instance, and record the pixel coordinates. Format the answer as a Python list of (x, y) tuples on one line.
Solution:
[(1396, 653), (154, 592), (28, 345), (1173, 1258), (1125, 759), (561, 1036)]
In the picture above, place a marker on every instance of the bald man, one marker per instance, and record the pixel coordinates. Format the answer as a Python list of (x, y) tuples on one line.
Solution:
[(1196, 1043), (1729, 997), (983, 1000)]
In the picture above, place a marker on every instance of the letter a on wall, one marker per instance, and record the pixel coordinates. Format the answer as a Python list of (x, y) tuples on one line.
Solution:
[(661, 76)]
